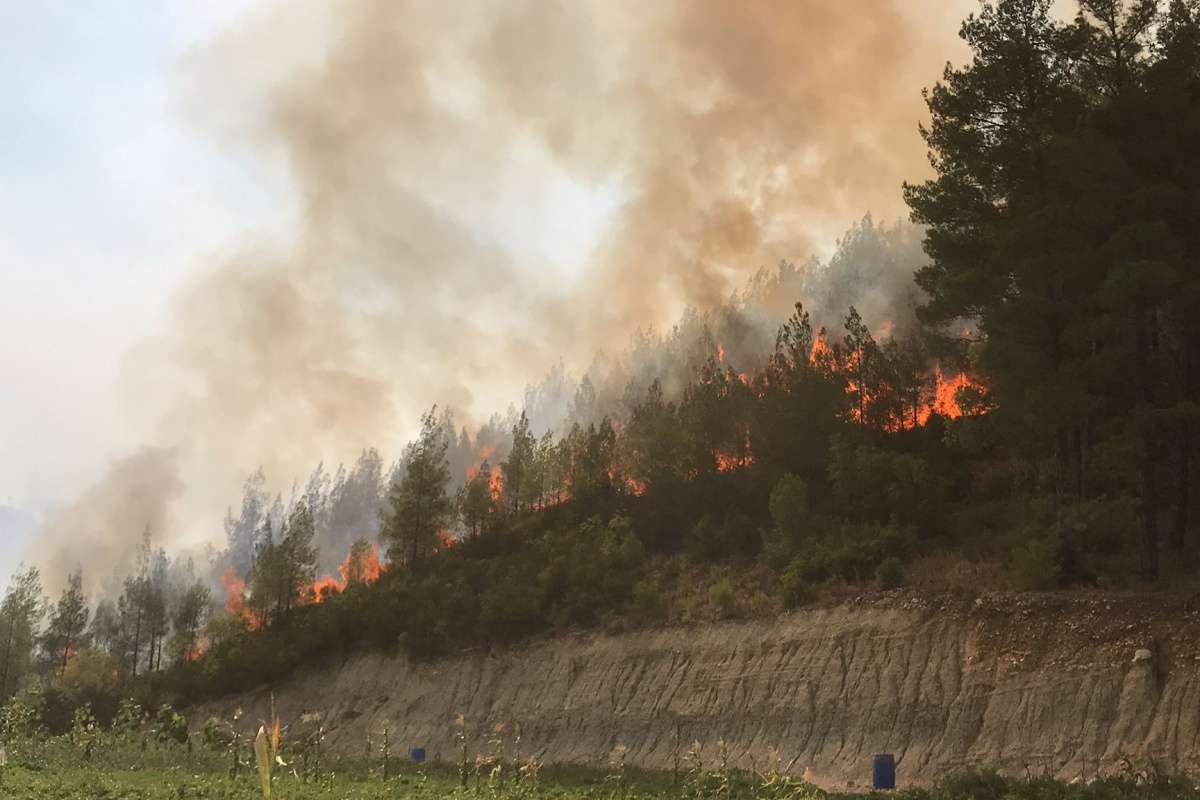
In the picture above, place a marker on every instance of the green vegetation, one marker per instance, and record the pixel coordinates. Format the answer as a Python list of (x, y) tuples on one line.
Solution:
[(1035, 408), (144, 758)]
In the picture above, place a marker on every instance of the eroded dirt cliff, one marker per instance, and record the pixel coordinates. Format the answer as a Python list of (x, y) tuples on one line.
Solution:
[(1066, 685)]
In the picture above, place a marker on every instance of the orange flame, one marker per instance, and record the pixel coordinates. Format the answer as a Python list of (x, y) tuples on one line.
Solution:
[(728, 461), (351, 571), (945, 390), (235, 591), (821, 351), (235, 598), (496, 483), (945, 395), (495, 477), (484, 454)]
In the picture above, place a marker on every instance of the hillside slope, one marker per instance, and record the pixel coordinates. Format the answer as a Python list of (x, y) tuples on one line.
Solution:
[(1044, 683)]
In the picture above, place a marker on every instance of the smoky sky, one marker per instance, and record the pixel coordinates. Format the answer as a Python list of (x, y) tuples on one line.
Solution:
[(424, 145)]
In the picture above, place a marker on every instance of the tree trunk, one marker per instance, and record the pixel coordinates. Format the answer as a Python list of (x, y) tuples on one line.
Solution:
[(1147, 481), (12, 624), (1184, 487), (66, 656), (1182, 499), (137, 639)]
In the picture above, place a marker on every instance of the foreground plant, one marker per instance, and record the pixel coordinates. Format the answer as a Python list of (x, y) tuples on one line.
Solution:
[(266, 754)]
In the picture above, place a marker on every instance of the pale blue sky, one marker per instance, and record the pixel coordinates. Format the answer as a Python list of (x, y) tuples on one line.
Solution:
[(107, 196)]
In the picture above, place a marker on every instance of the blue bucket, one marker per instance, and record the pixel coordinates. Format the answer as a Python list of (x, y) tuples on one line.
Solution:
[(883, 773), (418, 754)]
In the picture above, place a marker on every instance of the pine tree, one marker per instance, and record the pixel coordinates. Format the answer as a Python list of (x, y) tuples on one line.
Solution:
[(476, 506), (419, 506), (20, 614), (1056, 221), (358, 562), (299, 555), (285, 566), (187, 621), (518, 468), (64, 635)]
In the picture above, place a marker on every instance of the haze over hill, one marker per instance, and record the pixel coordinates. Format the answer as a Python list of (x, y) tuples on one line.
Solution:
[(470, 200), (15, 527)]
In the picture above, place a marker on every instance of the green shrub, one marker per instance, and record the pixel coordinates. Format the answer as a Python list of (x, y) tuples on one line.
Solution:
[(170, 725), (723, 597), (510, 607), (789, 508), (1038, 562), (777, 549), (646, 599), (871, 484), (890, 573), (852, 552), (735, 536), (129, 719), (794, 589), (21, 717), (974, 784), (85, 732)]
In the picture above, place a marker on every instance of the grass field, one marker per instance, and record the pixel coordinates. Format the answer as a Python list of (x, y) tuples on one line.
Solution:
[(137, 760), (81, 781)]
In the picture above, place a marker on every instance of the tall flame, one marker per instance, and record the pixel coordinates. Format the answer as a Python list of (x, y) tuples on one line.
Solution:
[(235, 591), (235, 598), (945, 395), (355, 569), (944, 400)]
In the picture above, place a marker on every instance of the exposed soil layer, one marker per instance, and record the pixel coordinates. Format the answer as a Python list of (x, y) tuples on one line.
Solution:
[(1068, 685)]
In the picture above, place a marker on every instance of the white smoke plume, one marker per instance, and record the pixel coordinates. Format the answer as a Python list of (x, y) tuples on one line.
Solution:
[(438, 153)]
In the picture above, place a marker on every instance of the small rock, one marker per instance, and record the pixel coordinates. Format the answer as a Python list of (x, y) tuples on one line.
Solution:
[(1142, 654)]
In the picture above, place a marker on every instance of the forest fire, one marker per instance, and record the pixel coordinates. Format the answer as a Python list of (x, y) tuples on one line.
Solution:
[(495, 474), (821, 352), (361, 566), (941, 400), (235, 591), (945, 397), (728, 461), (485, 453), (235, 598)]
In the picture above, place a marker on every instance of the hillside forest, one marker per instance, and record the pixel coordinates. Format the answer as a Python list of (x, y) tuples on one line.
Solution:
[(1010, 380)]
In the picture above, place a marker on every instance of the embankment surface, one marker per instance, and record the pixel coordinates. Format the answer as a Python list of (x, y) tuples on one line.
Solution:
[(1058, 684)]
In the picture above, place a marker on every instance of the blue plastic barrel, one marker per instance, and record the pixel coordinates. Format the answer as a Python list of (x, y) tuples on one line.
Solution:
[(418, 754), (883, 774)]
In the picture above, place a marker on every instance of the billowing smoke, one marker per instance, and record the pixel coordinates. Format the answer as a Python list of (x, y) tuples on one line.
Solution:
[(439, 154), (98, 532)]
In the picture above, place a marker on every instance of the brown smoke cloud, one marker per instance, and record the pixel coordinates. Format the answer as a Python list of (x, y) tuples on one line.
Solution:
[(94, 533), (425, 139)]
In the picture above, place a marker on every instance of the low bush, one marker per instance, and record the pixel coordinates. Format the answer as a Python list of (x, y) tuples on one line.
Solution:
[(890, 573), (723, 597)]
